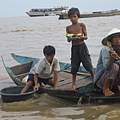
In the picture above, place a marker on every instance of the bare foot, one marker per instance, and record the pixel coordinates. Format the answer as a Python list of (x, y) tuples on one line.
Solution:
[(56, 88), (108, 92), (73, 87)]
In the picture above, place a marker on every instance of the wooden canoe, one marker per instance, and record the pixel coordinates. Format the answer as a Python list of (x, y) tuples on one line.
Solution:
[(85, 93), (12, 94)]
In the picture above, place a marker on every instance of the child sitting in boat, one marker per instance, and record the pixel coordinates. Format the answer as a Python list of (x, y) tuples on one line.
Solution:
[(107, 74), (40, 74), (79, 50)]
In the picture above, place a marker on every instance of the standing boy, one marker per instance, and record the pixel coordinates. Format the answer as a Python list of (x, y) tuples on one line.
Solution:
[(42, 71), (79, 50)]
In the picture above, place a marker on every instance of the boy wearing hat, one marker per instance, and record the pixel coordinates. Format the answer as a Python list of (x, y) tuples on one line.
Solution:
[(107, 73)]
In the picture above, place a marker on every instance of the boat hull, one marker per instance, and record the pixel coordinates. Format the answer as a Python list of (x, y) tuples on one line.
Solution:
[(94, 14), (46, 11), (12, 94), (86, 92)]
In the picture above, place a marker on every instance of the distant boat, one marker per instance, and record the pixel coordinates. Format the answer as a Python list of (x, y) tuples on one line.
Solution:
[(64, 15), (46, 11)]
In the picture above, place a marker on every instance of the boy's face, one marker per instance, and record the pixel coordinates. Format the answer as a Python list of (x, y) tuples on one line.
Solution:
[(74, 18), (116, 39), (49, 58)]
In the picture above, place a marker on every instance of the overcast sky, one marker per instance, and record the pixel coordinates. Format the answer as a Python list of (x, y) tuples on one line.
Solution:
[(14, 8)]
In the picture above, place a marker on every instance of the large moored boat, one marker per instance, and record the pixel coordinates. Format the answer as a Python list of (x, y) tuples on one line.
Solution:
[(64, 15), (46, 11)]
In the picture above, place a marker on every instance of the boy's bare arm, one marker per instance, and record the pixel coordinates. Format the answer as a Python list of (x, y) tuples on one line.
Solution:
[(55, 79), (67, 31), (84, 31), (36, 81)]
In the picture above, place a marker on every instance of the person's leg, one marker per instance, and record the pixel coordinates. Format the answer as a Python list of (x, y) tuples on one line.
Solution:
[(118, 78), (51, 82), (116, 85), (75, 63), (86, 60), (108, 80), (74, 82), (106, 88), (92, 75), (42, 84), (104, 84), (28, 85)]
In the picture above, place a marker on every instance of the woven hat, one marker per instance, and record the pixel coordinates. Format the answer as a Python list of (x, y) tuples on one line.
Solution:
[(108, 36)]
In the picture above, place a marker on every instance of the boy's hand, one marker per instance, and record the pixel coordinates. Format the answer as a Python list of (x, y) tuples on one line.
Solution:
[(36, 87), (68, 40), (83, 37)]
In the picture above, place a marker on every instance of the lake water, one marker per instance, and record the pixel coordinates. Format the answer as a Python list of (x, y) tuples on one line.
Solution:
[(27, 36)]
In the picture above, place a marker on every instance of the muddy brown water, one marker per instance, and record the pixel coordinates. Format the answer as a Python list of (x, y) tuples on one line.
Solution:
[(27, 36)]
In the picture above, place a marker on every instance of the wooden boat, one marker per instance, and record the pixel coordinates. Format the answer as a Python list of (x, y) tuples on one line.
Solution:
[(12, 94), (85, 93), (64, 15), (37, 12)]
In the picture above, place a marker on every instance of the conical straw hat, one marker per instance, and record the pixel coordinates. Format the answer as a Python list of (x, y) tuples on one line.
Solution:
[(113, 31)]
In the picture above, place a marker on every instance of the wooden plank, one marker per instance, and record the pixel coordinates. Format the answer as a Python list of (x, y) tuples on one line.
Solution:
[(83, 82), (21, 75), (78, 84), (66, 81), (78, 73)]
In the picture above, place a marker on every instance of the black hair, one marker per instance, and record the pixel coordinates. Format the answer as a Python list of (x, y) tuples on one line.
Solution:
[(110, 38), (73, 11), (49, 50)]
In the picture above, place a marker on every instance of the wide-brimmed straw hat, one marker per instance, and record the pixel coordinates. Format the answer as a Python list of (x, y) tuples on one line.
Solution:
[(108, 36)]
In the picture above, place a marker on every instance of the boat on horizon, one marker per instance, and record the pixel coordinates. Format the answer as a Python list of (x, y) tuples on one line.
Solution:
[(114, 12), (36, 12)]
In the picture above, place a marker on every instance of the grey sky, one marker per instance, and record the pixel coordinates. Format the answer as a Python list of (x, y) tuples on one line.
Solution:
[(13, 8)]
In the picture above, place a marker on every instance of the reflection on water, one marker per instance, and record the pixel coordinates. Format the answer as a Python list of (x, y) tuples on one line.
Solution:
[(82, 112), (42, 102), (27, 36)]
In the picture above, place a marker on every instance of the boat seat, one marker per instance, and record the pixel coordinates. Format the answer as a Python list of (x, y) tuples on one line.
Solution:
[(21, 71), (22, 75)]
